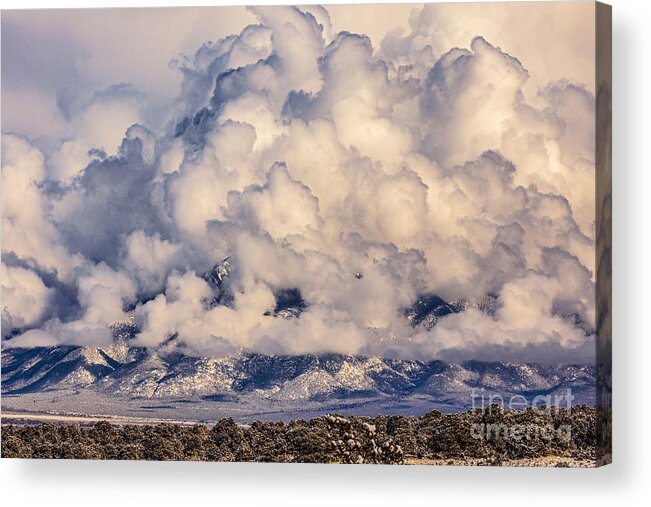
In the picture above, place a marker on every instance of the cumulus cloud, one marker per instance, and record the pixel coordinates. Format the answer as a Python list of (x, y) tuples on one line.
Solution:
[(27, 230), (358, 180), (25, 298)]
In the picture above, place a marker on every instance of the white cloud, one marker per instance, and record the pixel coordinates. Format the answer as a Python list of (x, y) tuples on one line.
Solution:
[(27, 231), (361, 178), (25, 298)]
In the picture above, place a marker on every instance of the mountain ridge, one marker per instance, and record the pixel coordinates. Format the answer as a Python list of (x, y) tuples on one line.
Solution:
[(135, 372), (123, 373)]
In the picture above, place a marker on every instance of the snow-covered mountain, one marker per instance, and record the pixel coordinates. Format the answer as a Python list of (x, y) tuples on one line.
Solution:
[(129, 372), (125, 372)]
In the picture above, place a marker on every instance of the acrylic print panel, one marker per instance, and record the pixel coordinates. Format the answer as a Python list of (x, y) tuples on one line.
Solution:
[(341, 234)]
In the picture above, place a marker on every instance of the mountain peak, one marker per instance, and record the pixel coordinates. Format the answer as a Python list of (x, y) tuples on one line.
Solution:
[(217, 278)]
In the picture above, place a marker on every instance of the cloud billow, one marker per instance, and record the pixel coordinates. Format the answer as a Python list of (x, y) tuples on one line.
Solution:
[(361, 180)]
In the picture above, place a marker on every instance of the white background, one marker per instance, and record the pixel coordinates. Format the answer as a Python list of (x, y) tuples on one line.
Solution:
[(627, 481)]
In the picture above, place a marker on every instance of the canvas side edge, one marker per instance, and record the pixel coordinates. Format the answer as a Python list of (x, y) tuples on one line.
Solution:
[(603, 215)]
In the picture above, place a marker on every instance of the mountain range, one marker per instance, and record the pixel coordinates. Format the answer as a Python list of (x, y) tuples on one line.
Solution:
[(134, 372), (128, 375)]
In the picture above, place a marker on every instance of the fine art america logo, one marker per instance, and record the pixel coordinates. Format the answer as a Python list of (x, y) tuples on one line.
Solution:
[(500, 429)]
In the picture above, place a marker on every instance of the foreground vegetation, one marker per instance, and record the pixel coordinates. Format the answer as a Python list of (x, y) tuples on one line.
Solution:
[(489, 436)]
